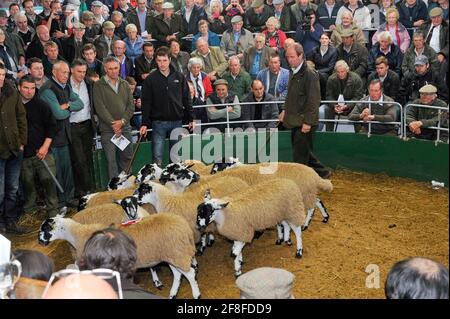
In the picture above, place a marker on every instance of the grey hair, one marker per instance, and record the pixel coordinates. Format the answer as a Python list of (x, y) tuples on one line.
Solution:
[(195, 61), (234, 57), (216, 2), (119, 41), (274, 20), (347, 13), (130, 26), (58, 64), (116, 13), (385, 35), (342, 63), (109, 59)]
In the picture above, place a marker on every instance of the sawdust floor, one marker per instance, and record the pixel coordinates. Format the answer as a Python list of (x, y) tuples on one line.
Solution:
[(375, 220)]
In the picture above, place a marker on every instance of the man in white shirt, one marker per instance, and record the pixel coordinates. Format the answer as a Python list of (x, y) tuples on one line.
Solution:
[(82, 130), (436, 33)]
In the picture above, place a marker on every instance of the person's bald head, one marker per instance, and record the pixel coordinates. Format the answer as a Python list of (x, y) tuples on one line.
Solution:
[(417, 278), (79, 286)]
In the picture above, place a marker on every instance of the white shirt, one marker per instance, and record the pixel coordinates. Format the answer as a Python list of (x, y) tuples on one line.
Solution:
[(294, 71), (200, 84), (85, 113), (434, 42)]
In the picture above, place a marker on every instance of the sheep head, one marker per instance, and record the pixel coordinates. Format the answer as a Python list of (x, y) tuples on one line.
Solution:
[(145, 193), (181, 177), (149, 172), (130, 207), (224, 164), (207, 211), (120, 181), (82, 203), (49, 230)]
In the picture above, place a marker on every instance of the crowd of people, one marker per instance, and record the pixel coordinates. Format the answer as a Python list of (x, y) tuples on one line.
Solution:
[(83, 68)]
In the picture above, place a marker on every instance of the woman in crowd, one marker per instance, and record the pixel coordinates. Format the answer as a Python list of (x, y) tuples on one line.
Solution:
[(133, 42), (204, 32), (400, 35), (347, 23), (274, 36)]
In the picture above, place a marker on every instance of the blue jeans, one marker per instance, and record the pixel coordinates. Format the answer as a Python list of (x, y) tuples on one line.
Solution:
[(160, 131), (9, 185)]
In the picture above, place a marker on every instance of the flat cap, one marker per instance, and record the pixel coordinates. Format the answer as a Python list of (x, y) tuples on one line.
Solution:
[(157, 1), (277, 2), (236, 19), (108, 25), (421, 60), (435, 12), (97, 3), (79, 25), (167, 5), (428, 89), (3, 14), (266, 283), (347, 33), (221, 81), (257, 3)]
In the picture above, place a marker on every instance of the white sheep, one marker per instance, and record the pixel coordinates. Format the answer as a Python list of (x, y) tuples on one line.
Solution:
[(159, 238), (185, 204), (308, 181), (149, 172), (239, 216), (225, 164), (123, 180)]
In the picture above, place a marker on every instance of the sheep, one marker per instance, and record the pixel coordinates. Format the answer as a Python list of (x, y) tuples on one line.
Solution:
[(308, 181), (123, 180), (199, 167), (148, 172), (159, 238), (264, 205), (185, 204), (225, 164), (105, 197)]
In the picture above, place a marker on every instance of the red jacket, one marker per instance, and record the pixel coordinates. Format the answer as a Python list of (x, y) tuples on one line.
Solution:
[(207, 86)]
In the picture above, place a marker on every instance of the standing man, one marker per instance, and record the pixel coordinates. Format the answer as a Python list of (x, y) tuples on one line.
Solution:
[(166, 101), (82, 128), (301, 109), (41, 131), (13, 137), (113, 102), (57, 93)]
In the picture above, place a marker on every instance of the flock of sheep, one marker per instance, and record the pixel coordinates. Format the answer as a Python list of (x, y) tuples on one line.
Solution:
[(169, 211)]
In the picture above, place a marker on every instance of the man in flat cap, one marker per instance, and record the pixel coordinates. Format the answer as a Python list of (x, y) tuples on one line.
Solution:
[(266, 283), (168, 25), (436, 33), (236, 40), (355, 54), (420, 119), (97, 10), (257, 15), (222, 95), (104, 42), (73, 46)]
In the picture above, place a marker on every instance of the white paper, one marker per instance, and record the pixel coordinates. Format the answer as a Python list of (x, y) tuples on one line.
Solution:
[(5, 250), (341, 101), (120, 141), (144, 34)]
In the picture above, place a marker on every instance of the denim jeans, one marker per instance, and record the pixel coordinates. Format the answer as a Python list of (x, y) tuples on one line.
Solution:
[(160, 131), (9, 185)]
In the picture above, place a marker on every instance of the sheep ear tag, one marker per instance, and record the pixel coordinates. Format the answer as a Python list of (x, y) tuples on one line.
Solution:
[(130, 222)]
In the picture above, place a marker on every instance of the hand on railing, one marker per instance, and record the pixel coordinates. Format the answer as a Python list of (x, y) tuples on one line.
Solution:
[(415, 127), (143, 130)]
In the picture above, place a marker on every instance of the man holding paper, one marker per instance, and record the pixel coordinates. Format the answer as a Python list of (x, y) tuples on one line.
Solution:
[(113, 103)]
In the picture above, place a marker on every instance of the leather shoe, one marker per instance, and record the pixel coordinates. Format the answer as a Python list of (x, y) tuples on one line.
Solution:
[(13, 228)]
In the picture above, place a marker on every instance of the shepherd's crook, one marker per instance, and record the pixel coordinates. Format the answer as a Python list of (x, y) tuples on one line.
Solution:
[(134, 154), (53, 176)]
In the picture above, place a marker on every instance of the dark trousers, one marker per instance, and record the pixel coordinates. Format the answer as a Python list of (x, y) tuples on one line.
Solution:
[(32, 167), (302, 145), (64, 174), (82, 157), (9, 185), (160, 131)]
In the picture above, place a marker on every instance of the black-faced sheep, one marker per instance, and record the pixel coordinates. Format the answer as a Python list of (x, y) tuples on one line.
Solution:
[(159, 238), (239, 216)]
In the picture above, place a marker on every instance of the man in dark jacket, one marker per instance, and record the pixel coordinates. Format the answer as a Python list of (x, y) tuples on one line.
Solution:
[(436, 33), (13, 138), (168, 25), (166, 101), (126, 65), (260, 111), (257, 15), (90, 56), (354, 54), (195, 15), (73, 45), (141, 10), (283, 14), (413, 14), (385, 47), (301, 109), (145, 63), (41, 131), (327, 20), (389, 79)]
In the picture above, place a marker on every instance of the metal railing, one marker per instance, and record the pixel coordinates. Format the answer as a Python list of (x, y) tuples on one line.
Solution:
[(438, 128)]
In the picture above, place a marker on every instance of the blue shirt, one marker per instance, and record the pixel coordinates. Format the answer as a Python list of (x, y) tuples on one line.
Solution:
[(236, 36), (255, 66)]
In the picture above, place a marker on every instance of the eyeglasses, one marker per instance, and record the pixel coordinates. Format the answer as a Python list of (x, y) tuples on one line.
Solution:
[(102, 273)]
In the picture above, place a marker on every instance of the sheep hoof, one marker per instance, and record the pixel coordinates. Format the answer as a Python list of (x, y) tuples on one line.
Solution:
[(198, 297), (288, 242), (299, 254), (304, 227), (325, 219), (278, 242)]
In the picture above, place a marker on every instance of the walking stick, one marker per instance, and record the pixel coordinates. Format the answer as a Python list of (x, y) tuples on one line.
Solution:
[(268, 139), (134, 154), (339, 117), (53, 176)]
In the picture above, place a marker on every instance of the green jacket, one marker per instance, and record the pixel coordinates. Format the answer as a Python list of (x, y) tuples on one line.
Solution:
[(240, 85), (410, 56), (111, 106), (429, 117), (13, 121), (352, 89), (303, 99)]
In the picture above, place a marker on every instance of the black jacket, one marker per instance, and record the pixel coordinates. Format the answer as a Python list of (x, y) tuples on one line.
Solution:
[(324, 64), (142, 66), (356, 58), (69, 48), (394, 57), (391, 84), (36, 49), (41, 125), (197, 14), (411, 84), (322, 14), (165, 98), (161, 29)]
